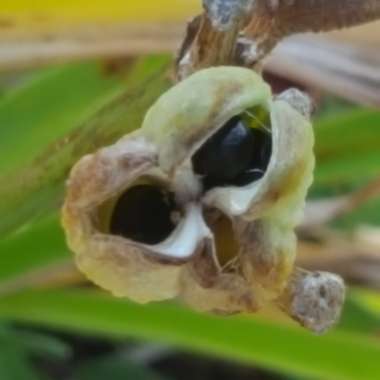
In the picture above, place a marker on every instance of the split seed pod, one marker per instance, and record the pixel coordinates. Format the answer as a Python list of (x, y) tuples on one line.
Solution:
[(201, 202)]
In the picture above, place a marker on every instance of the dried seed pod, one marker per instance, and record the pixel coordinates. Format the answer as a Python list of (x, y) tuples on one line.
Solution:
[(201, 202)]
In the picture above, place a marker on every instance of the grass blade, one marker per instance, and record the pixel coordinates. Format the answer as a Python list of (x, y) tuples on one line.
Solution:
[(37, 186), (347, 148), (335, 356)]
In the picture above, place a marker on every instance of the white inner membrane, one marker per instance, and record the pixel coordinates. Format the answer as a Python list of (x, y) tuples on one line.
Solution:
[(184, 240)]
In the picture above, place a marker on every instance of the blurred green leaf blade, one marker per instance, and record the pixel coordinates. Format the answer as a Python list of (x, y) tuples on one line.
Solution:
[(15, 360), (37, 187), (50, 105), (120, 367), (367, 214), (335, 356), (347, 148), (35, 247)]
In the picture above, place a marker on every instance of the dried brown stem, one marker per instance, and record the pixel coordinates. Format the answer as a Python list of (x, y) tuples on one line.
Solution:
[(211, 38), (262, 24), (280, 18), (210, 47), (272, 20)]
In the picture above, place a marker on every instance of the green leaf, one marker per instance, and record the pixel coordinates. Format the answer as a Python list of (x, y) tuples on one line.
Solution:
[(368, 299), (348, 157), (118, 365), (41, 345), (60, 121), (14, 360), (14, 365), (37, 246), (356, 317), (251, 340), (366, 214), (347, 148), (48, 106)]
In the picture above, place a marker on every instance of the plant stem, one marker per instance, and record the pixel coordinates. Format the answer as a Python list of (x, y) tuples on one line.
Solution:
[(216, 38)]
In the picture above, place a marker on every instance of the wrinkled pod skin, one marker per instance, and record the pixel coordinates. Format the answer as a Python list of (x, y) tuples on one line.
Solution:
[(187, 264)]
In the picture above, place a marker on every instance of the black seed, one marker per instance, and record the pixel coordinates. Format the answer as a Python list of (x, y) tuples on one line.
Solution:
[(235, 155), (248, 177), (227, 153), (261, 153), (143, 213)]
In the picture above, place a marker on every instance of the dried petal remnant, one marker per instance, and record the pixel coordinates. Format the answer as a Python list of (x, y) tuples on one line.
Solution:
[(215, 155)]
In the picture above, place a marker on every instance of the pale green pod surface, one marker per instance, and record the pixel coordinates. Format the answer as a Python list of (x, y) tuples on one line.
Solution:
[(121, 266), (267, 211), (187, 114)]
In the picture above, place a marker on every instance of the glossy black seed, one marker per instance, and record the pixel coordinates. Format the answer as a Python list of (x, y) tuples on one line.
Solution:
[(261, 153), (248, 176), (143, 214), (227, 153), (235, 155)]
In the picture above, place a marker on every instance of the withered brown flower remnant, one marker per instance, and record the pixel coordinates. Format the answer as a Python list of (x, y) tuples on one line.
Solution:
[(201, 202)]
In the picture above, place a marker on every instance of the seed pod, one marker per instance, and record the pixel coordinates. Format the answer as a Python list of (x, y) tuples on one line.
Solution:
[(201, 202)]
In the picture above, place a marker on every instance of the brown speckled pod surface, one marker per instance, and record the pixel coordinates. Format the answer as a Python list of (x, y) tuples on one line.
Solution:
[(222, 246)]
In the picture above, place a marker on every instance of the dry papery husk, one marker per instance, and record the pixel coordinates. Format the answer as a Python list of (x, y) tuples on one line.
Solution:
[(187, 264)]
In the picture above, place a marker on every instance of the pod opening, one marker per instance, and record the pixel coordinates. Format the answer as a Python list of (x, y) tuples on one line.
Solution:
[(144, 213), (226, 244), (238, 153)]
